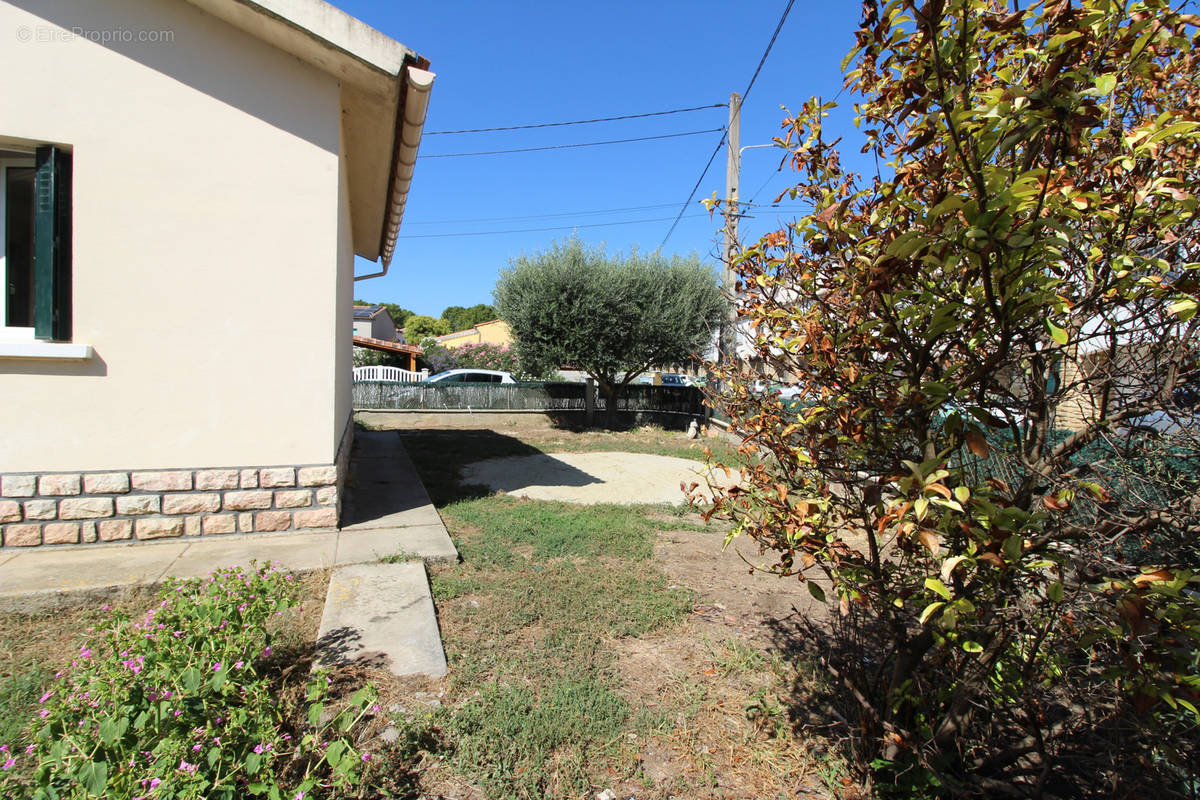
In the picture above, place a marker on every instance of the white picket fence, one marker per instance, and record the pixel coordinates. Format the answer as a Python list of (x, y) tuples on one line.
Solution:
[(393, 374)]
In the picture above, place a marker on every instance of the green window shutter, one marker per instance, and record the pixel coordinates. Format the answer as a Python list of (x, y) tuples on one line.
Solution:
[(52, 244)]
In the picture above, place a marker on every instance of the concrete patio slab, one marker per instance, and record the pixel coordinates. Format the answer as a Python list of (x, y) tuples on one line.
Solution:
[(382, 615), (63, 570), (429, 543), (297, 551)]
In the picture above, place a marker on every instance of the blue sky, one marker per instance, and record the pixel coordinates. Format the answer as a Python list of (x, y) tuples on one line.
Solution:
[(523, 62)]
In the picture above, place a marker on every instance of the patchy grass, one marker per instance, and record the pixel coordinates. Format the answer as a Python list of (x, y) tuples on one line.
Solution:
[(576, 664)]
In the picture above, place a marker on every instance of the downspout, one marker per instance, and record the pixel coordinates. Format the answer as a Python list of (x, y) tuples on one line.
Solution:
[(417, 86)]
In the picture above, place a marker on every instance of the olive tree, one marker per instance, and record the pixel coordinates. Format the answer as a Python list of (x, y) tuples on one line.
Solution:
[(611, 316), (976, 331)]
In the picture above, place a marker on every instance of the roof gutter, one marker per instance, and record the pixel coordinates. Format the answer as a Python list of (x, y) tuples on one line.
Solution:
[(416, 86)]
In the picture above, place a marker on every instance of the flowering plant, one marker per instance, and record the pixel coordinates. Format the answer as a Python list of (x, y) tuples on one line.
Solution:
[(179, 705)]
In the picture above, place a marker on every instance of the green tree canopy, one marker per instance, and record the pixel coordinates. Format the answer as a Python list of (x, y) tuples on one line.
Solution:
[(421, 326), (459, 318), (611, 316)]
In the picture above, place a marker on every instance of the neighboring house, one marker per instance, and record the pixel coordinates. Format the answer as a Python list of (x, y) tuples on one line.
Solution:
[(170, 169), (376, 323), (494, 332)]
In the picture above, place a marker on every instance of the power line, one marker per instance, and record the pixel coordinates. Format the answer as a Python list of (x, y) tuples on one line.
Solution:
[(688, 202), (539, 216), (577, 122), (539, 230), (783, 18), (767, 52), (568, 146)]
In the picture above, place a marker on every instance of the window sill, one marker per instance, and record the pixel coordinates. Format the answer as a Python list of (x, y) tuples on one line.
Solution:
[(59, 351)]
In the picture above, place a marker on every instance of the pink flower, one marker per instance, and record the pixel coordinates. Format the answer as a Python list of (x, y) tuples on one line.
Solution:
[(9, 764), (29, 750), (45, 697), (366, 756), (154, 782), (217, 667), (186, 767)]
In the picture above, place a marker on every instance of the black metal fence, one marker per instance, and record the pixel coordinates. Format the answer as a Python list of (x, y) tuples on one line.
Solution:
[(528, 396)]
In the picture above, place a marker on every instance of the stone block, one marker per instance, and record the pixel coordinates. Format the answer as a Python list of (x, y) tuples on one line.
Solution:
[(159, 527), (248, 479), (169, 481), (10, 511), (209, 479), (190, 503), (276, 476), (111, 530), (59, 485), (87, 531), (138, 504), (22, 535), (243, 501), (18, 486), (219, 523), (85, 508), (327, 496), (246, 523), (273, 520), (191, 526), (60, 533), (317, 476), (292, 498), (316, 518), (41, 509), (106, 483)]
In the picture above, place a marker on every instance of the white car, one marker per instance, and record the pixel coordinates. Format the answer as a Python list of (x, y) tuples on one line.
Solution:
[(472, 376)]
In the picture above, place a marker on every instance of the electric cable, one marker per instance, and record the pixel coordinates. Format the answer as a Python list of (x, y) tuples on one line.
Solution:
[(569, 146), (577, 121), (538, 230), (538, 216), (783, 18)]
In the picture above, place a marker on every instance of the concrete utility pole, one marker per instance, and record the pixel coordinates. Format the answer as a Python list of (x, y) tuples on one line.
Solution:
[(726, 344)]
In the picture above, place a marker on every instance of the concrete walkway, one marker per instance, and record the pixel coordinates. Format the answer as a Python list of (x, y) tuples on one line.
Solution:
[(387, 512)]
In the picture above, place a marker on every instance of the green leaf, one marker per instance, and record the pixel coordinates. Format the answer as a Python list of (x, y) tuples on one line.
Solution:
[(1056, 333), (937, 587), (1013, 546), (816, 591), (930, 610), (253, 762), (1055, 592), (191, 679), (314, 713), (1105, 83), (94, 777), (333, 754), (972, 647)]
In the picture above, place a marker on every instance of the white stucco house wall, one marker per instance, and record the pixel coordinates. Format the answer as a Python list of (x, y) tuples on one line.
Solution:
[(168, 168)]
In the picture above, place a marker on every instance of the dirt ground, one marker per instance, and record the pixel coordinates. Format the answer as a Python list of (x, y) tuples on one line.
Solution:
[(739, 741)]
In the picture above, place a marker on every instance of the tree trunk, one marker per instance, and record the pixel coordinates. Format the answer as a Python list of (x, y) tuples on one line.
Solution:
[(610, 392)]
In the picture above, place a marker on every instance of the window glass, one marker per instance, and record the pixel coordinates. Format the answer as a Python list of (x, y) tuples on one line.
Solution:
[(18, 246)]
